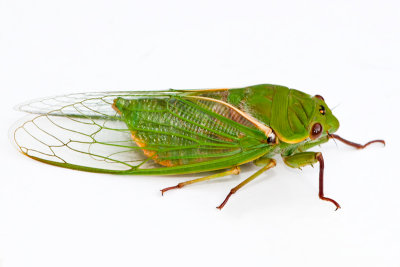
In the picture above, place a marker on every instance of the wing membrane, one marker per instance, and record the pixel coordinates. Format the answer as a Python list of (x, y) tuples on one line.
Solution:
[(94, 103), (171, 133)]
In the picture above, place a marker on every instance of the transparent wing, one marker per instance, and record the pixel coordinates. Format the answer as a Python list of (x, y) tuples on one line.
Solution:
[(93, 103), (79, 129), (84, 132)]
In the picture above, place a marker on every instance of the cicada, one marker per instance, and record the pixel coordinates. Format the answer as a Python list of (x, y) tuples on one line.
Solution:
[(174, 132)]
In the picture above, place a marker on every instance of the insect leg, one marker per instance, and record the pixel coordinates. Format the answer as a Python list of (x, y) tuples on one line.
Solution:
[(268, 164), (234, 170), (358, 146), (308, 158), (307, 145)]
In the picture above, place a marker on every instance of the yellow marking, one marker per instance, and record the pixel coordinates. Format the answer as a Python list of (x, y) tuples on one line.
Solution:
[(206, 90), (262, 127), (295, 141)]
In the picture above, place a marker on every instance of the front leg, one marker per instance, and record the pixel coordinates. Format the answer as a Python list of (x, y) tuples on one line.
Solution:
[(308, 158), (307, 145)]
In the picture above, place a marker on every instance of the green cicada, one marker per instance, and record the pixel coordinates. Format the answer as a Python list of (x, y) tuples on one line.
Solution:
[(180, 131)]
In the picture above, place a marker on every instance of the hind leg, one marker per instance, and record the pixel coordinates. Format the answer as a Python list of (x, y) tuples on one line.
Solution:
[(234, 170), (266, 162)]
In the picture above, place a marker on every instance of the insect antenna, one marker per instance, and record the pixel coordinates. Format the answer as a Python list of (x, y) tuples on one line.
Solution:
[(336, 106), (330, 136)]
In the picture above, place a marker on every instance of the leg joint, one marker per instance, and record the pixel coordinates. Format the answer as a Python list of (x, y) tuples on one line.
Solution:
[(236, 170)]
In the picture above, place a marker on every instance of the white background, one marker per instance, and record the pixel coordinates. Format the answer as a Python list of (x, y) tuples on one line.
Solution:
[(346, 51)]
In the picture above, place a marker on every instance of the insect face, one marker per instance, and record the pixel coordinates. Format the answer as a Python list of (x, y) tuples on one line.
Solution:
[(324, 121)]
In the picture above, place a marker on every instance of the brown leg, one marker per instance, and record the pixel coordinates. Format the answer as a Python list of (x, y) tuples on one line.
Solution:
[(269, 164), (321, 181), (234, 170), (358, 146), (308, 158)]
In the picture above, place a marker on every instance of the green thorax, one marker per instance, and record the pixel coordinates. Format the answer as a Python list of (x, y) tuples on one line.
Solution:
[(287, 111)]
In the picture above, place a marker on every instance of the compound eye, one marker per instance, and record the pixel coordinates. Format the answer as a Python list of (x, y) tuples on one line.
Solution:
[(316, 131), (320, 97)]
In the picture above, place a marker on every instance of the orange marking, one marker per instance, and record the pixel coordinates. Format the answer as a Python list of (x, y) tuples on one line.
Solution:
[(150, 153), (114, 107)]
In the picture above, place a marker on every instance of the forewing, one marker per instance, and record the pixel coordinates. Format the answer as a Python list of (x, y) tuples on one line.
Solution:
[(95, 104), (83, 131), (79, 130)]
